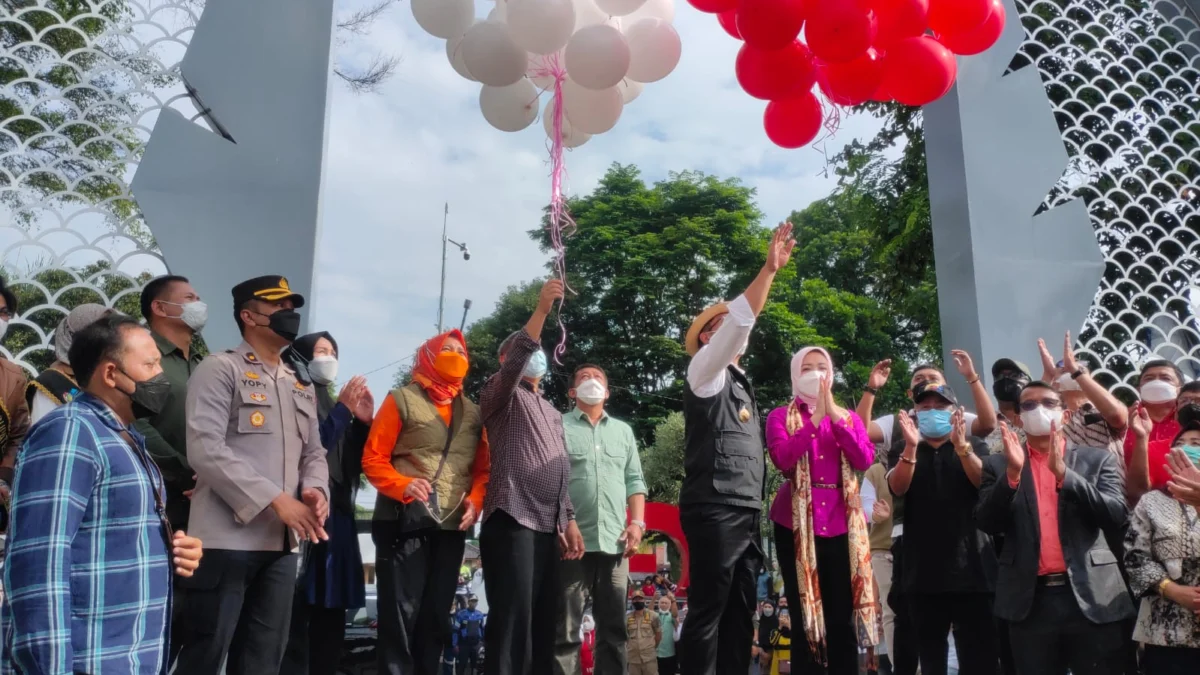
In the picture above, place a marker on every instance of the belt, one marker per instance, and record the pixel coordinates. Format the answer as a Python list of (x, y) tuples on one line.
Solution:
[(827, 486), (1058, 579)]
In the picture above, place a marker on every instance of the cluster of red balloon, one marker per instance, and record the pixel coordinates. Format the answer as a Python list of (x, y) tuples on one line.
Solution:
[(854, 51)]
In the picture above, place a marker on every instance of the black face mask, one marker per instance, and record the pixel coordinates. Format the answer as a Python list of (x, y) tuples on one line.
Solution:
[(1188, 415), (149, 396), (638, 604), (1008, 389), (286, 324)]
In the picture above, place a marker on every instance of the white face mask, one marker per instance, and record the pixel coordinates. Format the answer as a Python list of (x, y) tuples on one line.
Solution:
[(324, 369), (1038, 422), (195, 315), (1159, 391), (1067, 383), (591, 391), (808, 386)]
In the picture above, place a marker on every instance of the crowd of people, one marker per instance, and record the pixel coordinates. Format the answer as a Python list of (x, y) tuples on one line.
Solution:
[(196, 515)]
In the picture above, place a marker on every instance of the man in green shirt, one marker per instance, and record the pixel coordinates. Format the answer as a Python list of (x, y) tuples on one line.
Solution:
[(606, 476), (174, 314)]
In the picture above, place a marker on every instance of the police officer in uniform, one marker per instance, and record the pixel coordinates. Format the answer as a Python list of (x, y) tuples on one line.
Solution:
[(645, 632), (720, 501), (253, 441)]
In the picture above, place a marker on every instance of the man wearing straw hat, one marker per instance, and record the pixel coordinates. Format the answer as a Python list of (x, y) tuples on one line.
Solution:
[(720, 502)]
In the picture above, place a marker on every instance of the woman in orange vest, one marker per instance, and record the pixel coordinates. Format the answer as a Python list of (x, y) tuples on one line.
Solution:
[(427, 455)]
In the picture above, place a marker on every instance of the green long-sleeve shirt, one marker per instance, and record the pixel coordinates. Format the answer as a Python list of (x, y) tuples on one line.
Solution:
[(166, 432), (605, 472)]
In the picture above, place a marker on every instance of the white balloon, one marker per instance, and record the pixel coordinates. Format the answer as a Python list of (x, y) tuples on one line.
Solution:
[(654, 50), (630, 90), (510, 108), (454, 52), (491, 56), (572, 137), (620, 7), (653, 9), (541, 26), (588, 14), (590, 110), (597, 57), (539, 63), (444, 18)]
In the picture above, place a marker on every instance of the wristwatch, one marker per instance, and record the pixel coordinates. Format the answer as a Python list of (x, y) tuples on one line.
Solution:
[(963, 451), (871, 390), (640, 523), (1079, 373)]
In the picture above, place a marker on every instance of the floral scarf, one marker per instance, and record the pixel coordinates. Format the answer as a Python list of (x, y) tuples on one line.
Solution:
[(866, 619), (440, 390)]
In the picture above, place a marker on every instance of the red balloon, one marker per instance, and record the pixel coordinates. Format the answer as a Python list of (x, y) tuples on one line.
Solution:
[(840, 30), (980, 39), (957, 16), (899, 19), (714, 6), (793, 122), (770, 24), (918, 70), (853, 82), (775, 74), (728, 21)]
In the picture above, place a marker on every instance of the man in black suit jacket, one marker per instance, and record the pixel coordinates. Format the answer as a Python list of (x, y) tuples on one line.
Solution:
[(1058, 583)]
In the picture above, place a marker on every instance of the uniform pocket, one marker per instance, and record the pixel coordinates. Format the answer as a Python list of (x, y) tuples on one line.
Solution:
[(737, 465), (254, 412), (1102, 556), (304, 421)]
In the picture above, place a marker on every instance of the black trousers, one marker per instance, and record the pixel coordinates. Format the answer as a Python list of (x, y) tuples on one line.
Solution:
[(314, 639), (416, 574), (837, 598), (718, 633), (467, 659), (1158, 660), (520, 574), (1056, 637), (666, 665), (974, 631), (238, 604), (904, 633)]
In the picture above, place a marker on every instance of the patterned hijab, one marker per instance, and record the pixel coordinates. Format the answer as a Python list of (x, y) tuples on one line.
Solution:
[(441, 391), (76, 320), (862, 584)]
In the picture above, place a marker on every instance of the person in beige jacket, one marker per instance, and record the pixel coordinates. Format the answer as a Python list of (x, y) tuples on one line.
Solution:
[(254, 443)]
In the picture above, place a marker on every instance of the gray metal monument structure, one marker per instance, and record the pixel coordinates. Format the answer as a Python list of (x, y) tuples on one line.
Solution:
[(85, 89), (1064, 173)]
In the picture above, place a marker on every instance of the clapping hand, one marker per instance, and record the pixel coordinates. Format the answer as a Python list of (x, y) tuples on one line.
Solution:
[(1050, 370), (836, 413), (1139, 422), (1184, 485), (1070, 365), (880, 374), (364, 410), (1058, 447), (958, 429), (1014, 453), (780, 251), (911, 436)]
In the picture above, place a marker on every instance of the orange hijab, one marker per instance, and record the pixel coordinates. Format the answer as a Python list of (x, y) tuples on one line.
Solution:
[(441, 389)]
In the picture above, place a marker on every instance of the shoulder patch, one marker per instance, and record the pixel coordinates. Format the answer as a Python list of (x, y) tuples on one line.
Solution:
[(251, 358), (300, 386)]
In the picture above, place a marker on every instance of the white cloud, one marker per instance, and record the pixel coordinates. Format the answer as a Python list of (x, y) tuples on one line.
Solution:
[(395, 158)]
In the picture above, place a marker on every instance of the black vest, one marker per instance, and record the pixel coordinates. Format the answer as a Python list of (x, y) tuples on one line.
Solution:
[(60, 388), (723, 457)]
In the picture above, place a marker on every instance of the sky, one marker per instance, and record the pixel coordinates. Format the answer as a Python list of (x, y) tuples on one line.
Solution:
[(395, 157)]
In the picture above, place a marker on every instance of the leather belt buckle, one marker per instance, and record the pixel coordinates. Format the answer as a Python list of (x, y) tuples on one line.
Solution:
[(827, 486), (1053, 580)]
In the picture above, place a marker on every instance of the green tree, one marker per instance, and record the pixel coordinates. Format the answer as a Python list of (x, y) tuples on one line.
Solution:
[(662, 461)]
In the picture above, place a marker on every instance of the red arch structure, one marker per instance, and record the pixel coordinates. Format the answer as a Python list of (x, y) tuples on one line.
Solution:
[(664, 519)]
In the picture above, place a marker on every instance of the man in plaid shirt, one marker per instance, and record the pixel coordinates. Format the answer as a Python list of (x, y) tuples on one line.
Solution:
[(89, 549)]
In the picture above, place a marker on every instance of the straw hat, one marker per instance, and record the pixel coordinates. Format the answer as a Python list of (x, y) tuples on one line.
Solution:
[(692, 341)]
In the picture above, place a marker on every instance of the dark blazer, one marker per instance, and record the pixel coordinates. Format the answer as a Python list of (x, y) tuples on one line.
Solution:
[(1091, 502)]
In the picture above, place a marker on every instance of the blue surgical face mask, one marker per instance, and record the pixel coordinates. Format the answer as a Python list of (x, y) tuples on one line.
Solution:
[(536, 368), (934, 423), (1193, 453)]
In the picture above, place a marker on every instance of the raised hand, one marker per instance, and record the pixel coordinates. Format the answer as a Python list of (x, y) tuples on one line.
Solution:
[(552, 292), (365, 409), (880, 374), (1139, 422), (958, 429), (964, 364), (1070, 365), (1184, 485), (1014, 453), (352, 391), (780, 251), (1058, 448), (911, 436), (1049, 368)]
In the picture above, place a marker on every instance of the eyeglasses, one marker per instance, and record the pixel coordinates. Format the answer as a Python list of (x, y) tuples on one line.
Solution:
[(1033, 403)]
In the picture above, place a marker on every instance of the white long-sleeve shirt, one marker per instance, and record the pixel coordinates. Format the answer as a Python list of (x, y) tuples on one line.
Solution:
[(707, 370)]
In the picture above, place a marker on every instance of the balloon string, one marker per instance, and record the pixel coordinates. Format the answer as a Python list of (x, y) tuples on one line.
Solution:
[(561, 223), (832, 119)]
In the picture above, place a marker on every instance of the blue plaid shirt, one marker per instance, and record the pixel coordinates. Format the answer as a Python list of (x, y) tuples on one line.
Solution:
[(88, 575)]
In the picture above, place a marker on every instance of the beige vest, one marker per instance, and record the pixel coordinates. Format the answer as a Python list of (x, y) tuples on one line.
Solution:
[(419, 449)]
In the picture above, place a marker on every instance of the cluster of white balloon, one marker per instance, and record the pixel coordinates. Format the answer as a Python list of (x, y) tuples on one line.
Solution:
[(597, 54)]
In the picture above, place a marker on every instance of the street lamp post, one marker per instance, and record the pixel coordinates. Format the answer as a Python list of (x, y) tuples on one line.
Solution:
[(466, 308), (466, 256)]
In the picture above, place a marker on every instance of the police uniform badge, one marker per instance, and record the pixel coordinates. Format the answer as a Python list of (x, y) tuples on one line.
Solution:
[(251, 374), (258, 397), (300, 386), (744, 415), (257, 420)]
